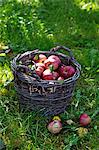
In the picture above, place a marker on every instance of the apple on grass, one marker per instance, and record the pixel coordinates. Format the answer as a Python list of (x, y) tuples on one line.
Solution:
[(84, 119), (55, 126)]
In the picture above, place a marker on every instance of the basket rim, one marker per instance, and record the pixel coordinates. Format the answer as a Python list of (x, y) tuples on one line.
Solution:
[(14, 67)]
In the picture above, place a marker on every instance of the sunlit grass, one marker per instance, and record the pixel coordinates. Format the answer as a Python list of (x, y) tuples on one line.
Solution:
[(29, 130), (87, 5)]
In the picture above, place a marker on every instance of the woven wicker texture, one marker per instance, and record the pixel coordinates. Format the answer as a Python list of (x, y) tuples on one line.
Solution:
[(48, 96)]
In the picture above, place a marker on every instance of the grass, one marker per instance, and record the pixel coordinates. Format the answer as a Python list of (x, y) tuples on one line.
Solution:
[(42, 24)]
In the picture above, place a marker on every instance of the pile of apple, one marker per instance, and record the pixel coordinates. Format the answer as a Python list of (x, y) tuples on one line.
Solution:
[(52, 68)]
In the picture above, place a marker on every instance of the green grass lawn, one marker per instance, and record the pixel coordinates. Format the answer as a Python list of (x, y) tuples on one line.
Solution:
[(26, 25)]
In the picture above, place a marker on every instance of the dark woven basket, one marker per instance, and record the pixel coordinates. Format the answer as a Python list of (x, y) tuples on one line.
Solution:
[(49, 96)]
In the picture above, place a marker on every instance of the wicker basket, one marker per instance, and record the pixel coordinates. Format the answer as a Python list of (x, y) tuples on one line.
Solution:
[(49, 96)]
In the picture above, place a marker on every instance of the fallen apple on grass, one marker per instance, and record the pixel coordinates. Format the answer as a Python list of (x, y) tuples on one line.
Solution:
[(55, 126), (84, 119)]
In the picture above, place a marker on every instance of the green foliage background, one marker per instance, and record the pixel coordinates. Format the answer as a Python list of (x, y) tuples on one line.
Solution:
[(41, 23)]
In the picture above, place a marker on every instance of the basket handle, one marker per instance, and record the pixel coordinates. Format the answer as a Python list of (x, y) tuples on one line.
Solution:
[(70, 53), (62, 47)]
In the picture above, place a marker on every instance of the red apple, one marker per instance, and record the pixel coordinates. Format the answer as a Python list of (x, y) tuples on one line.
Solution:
[(42, 58), (39, 58), (39, 71), (52, 60), (60, 78), (40, 68), (62, 71), (40, 65), (70, 70), (84, 119), (55, 75), (55, 57), (48, 75), (55, 126), (66, 71)]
